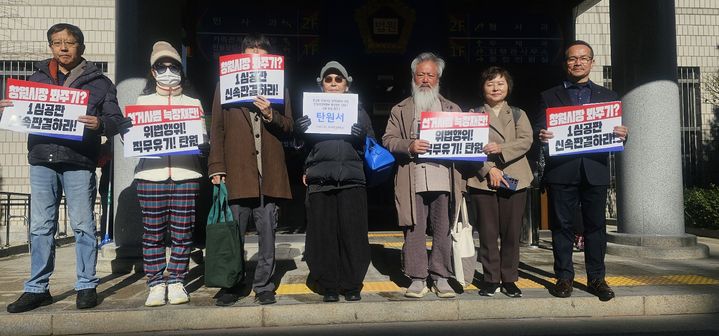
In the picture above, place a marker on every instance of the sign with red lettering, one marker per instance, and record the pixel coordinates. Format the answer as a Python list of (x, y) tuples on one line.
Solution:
[(44, 109), (159, 130), (246, 76), (584, 129), (454, 135)]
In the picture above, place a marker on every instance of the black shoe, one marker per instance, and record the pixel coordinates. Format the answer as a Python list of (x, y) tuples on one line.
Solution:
[(563, 288), (86, 298), (331, 296), (265, 298), (29, 301), (227, 297), (601, 289), (511, 290), (488, 288), (353, 296)]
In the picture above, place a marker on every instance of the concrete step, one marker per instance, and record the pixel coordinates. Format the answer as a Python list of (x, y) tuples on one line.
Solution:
[(298, 310)]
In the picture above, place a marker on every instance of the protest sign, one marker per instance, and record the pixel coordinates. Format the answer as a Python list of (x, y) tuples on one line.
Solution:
[(454, 135), (584, 129), (331, 113), (159, 130), (44, 109), (246, 76)]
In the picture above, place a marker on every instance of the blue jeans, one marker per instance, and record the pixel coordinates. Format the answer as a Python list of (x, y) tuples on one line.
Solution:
[(47, 184)]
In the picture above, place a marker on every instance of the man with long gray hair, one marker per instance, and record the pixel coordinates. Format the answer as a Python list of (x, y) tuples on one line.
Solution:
[(425, 191)]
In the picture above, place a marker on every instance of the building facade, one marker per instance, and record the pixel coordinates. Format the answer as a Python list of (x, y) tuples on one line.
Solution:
[(23, 24), (697, 29)]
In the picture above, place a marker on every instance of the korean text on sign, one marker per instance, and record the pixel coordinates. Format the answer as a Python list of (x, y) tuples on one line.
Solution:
[(246, 76), (331, 113), (454, 135), (44, 109), (163, 130), (584, 129)]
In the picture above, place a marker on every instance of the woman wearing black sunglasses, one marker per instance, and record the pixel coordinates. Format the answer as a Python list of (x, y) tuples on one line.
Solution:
[(167, 188), (336, 247)]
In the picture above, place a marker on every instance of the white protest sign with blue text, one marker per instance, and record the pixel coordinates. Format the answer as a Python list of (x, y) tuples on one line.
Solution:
[(43, 109), (584, 129), (246, 76), (454, 135), (163, 130), (331, 113)]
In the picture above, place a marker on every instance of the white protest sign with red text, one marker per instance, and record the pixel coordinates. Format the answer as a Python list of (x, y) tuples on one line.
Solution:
[(163, 130), (585, 128), (44, 109), (454, 135), (246, 76)]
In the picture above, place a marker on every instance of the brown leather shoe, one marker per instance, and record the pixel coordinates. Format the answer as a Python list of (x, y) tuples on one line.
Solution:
[(600, 288), (563, 288)]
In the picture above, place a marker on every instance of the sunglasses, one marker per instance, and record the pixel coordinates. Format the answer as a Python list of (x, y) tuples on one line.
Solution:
[(337, 79), (161, 68)]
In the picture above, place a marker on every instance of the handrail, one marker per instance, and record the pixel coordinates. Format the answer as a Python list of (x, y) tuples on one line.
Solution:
[(14, 205)]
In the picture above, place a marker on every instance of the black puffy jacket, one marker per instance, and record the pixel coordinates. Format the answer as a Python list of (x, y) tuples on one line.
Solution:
[(43, 150), (336, 160)]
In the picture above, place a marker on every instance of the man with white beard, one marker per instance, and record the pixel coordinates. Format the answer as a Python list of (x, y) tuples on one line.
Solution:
[(425, 191)]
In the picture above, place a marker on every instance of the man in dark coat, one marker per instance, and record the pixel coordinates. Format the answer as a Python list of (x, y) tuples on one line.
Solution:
[(246, 151), (58, 164), (575, 180)]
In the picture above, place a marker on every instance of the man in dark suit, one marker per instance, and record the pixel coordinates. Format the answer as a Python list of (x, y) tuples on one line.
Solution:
[(576, 180)]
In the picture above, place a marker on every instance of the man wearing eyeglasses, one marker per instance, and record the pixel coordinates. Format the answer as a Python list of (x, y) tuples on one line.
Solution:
[(577, 180), (424, 190), (58, 165), (246, 152)]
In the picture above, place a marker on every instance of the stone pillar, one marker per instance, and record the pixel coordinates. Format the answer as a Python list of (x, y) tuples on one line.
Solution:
[(139, 24), (649, 171)]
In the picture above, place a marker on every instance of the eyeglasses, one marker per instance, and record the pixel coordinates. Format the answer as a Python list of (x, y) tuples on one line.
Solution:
[(336, 79), (161, 68), (582, 60), (60, 44)]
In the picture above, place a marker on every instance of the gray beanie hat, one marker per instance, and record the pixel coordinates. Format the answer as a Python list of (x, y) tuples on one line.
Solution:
[(336, 66)]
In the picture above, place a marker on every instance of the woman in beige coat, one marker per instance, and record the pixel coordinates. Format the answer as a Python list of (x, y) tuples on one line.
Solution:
[(500, 202)]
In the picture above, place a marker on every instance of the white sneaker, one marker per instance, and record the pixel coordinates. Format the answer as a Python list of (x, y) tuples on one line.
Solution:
[(156, 296), (177, 294), (417, 289), (442, 288)]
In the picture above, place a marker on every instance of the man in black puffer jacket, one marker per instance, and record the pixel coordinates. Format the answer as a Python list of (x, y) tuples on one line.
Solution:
[(336, 244), (58, 165)]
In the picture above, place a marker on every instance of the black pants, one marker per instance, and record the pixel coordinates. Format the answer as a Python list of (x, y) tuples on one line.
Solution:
[(563, 202), (336, 247)]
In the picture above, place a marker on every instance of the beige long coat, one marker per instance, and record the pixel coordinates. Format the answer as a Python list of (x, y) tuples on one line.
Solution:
[(515, 141), (397, 138)]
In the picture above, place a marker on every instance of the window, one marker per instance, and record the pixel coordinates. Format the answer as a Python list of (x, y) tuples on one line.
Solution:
[(690, 103), (23, 70)]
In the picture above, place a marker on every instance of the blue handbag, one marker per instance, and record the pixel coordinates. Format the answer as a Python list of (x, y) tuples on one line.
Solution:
[(378, 162)]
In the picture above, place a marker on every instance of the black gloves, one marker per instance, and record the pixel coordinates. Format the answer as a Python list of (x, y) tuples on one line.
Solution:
[(124, 125), (302, 124), (204, 149), (358, 131)]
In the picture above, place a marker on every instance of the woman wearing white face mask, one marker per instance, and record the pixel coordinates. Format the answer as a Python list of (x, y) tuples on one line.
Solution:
[(167, 188)]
